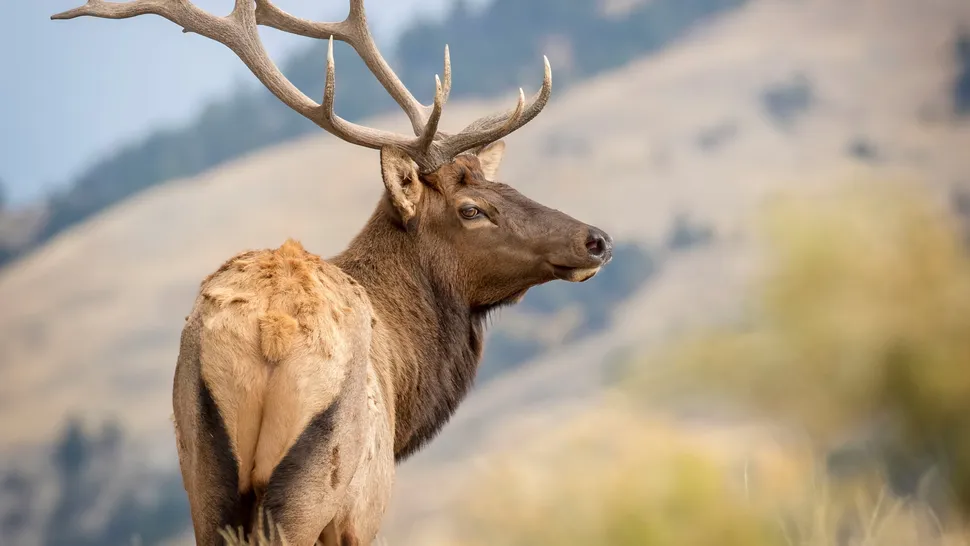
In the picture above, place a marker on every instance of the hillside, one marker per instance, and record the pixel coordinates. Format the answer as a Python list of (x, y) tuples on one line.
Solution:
[(775, 96)]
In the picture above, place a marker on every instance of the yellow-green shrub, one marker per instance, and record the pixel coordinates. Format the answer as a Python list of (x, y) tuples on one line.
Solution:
[(863, 318)]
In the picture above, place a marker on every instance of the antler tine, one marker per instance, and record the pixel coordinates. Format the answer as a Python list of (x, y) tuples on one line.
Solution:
[(466, 140), (431, 128), (124, 10), (351, 132), (267, 14), (353, 31), (330, 85), (441, 93), (490, 128), (363, 43), (447, 74)]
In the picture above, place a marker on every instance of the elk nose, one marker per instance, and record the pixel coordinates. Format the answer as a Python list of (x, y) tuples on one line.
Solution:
[(599, 244)]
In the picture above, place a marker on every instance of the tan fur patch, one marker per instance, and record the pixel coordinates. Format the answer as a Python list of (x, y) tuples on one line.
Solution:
[(273, 353), (401, 180), (490, 158), (277, 333), (370, 489)]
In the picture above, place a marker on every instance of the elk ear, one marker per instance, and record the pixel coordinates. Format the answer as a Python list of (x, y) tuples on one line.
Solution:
[(490, 157), (400, 175)]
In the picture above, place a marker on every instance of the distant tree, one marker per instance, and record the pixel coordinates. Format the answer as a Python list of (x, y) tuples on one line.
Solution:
[(863, 149), (684, 234), (460, 11), (71, 457), (87, 465), (3, 196), (787, 101), (713, 138), (17, 498), (505, 352), (961, 88), (960, 204)]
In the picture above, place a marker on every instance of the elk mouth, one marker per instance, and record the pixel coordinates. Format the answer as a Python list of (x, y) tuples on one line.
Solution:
[(575, 274)]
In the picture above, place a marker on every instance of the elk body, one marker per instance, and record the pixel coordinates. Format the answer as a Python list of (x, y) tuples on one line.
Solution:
[(300, 381)]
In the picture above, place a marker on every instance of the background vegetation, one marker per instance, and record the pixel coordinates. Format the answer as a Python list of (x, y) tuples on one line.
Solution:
[(97, 497), (961, 87)]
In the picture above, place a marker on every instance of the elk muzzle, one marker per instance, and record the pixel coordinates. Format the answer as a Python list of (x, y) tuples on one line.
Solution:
[(597, 251)]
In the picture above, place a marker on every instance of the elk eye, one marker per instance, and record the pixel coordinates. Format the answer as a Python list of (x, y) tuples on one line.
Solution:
[(470, 212)]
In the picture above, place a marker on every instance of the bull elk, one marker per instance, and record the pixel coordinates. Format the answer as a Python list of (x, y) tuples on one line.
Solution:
[(300, 382)]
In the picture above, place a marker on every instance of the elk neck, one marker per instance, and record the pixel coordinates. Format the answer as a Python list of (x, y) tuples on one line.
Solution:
[(427, 340)]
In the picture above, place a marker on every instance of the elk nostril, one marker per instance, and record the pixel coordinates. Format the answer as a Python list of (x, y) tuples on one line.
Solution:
[(597, 243)]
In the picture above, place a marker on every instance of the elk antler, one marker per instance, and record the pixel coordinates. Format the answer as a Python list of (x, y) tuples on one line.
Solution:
[(238, 31)]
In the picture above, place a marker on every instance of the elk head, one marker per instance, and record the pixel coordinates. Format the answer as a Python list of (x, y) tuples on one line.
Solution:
[(494, 242)]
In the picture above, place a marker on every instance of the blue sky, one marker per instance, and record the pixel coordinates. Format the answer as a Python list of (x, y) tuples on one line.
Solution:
[(71, 91)]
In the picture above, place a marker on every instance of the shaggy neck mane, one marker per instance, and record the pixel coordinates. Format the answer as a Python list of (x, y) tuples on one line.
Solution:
[(427, 341)]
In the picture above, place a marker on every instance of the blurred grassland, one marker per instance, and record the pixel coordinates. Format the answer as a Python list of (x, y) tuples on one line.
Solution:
[(624, 479), (858, 331)]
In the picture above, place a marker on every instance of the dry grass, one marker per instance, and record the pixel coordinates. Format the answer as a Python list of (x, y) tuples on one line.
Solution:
[(620, 478), (274, 536)]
